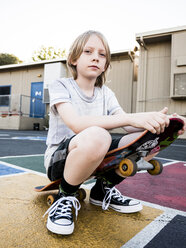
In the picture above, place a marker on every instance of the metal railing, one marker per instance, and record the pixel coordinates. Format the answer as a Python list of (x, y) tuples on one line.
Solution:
[(18, 105)]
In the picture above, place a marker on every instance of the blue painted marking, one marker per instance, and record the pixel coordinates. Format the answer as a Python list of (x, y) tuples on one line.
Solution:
[(7, 170), (30, 138)]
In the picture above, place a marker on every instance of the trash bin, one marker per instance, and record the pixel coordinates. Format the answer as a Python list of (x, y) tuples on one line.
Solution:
[(36, 126)]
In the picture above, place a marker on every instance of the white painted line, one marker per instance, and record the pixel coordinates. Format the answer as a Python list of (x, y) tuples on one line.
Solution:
[(165, 209), (150, 231), (24, 169), (88, 186), (13, 174), (178, 145), (178, 161), (37, 138), (23, 156)]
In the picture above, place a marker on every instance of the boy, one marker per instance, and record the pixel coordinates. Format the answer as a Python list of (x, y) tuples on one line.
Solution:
[(82, 112)]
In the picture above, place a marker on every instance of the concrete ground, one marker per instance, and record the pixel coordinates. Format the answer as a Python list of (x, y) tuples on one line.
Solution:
[(161, 223)]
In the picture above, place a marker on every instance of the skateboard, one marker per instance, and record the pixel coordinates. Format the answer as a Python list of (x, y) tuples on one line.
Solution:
[(125, 158), (54, 185)]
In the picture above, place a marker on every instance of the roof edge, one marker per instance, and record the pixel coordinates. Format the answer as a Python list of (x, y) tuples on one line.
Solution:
[(160, 32), (12, 66), (31, 63)]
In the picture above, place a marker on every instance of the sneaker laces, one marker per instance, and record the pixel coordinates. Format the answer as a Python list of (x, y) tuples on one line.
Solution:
[(112, 193), (62, 207)]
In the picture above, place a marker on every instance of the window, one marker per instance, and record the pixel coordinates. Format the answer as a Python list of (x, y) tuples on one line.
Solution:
[(180, 84), (5, 95)]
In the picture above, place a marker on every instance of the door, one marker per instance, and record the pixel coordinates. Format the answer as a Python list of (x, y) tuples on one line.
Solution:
[(37, 107)]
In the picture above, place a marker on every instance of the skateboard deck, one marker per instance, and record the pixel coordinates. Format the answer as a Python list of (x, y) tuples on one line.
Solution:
[(147, 143), (125, 158), (51, 186)]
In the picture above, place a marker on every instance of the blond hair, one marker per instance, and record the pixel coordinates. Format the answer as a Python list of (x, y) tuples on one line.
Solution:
[(77, 49)]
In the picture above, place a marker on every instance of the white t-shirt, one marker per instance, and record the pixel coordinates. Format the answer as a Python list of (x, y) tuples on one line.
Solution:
[(103, 102)]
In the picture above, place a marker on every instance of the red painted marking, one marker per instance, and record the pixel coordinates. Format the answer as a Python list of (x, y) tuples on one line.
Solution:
[(167, 189)]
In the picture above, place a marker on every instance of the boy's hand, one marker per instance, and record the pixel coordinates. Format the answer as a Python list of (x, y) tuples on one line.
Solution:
[(155, 122), (184, 127)]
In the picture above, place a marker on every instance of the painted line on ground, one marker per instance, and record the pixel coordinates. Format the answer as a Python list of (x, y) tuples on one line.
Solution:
[(178, 145), (13, 175), (37, 138), (25, 138), (178, 161), (150, 231), (23, 169), (23, 156)]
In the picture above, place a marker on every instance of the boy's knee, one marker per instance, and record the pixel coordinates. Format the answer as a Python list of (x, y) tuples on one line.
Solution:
[(93, 142), (100, 137), (97, 142)]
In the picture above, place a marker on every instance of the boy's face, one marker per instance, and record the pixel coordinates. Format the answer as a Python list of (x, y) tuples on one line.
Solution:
[(91, 62)]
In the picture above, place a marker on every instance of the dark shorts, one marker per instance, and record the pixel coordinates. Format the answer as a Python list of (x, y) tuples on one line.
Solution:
[(55, 171)]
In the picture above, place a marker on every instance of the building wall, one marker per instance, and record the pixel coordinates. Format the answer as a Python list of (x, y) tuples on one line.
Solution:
[(120, 80), (154, 77), (154, 84), (157, 66), (20, 81)]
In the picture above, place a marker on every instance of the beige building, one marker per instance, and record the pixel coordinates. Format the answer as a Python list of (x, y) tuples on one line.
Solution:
[(162, 71), (24, 100), (21, 93)]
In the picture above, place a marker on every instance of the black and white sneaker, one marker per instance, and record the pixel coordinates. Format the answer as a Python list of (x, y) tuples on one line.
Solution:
[(60, 217), (110, 197)]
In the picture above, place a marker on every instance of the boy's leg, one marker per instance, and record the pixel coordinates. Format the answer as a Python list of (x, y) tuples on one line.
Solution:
[(106, 195), (86, 150)]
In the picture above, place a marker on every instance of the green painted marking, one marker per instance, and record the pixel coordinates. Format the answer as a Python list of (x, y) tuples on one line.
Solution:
[(35, 163)]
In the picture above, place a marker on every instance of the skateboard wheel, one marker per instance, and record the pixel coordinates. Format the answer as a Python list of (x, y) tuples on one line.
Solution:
[(81, 194), (50, 200), (158, 167), (128, 167)]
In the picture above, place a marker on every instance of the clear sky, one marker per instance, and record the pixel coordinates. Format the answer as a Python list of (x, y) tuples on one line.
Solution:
[(26, 25)]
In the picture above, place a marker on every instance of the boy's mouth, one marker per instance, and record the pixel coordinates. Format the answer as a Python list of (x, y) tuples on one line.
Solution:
[(94, 66)]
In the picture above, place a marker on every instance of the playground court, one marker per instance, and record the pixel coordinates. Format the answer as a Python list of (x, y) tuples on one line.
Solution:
[(161, 223)]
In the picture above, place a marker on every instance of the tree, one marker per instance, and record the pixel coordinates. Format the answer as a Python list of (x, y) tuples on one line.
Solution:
[(7, 59), (48, 53)]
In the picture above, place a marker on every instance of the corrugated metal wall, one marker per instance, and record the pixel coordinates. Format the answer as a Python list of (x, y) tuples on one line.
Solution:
[(154, 80), (120, 80)]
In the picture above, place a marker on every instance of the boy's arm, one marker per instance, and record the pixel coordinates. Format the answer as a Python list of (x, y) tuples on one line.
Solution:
[(152, 121), (131, 129)]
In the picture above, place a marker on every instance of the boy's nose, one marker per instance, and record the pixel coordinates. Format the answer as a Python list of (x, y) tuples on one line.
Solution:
[(95, 56)]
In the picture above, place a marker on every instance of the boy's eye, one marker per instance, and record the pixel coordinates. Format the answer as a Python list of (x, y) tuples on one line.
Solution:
[(87, 51)]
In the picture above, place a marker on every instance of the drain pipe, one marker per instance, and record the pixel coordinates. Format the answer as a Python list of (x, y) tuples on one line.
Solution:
[(142, 44)]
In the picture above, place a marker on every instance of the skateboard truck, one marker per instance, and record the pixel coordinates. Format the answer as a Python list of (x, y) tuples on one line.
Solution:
[(129, 167)]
